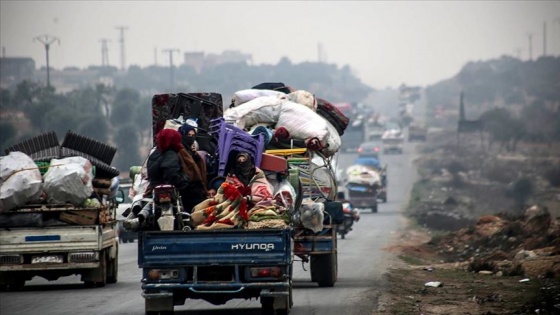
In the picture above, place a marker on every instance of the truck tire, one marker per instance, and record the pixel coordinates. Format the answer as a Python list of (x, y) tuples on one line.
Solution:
[(98, 277), (277, 305), (324, 269), (374, 208), (112, 267)]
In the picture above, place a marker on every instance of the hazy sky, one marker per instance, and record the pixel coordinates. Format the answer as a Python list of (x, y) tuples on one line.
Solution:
[(385, 42)]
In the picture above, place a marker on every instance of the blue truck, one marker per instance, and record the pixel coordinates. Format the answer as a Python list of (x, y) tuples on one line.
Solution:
[(221, 265), (216, 266)]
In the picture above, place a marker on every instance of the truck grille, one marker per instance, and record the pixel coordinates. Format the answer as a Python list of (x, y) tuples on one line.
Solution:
[(82, 257), (11, 259)]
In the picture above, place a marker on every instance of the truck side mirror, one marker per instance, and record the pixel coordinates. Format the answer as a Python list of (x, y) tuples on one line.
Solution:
[(120, 196)]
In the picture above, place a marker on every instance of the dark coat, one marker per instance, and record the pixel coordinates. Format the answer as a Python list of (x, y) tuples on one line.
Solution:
[(166, 169)]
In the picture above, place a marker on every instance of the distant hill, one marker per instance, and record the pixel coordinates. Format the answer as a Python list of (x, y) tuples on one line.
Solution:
[(506, 82)]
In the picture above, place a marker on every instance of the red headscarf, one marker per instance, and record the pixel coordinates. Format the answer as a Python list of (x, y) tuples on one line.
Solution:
[(169, 139)]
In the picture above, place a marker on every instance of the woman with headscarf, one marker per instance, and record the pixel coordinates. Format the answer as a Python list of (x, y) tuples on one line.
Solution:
[(172, 164), (249, 179)]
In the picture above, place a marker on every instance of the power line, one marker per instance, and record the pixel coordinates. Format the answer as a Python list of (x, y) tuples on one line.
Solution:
[(104, 52), (121, 41), (171, 75), (530, 37), (47, 40), (544, 39)]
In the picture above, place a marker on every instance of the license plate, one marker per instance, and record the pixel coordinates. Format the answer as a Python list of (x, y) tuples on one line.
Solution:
[(49, 259)]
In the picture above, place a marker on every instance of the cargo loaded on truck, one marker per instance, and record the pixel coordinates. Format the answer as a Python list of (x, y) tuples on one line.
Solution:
[(195, 258), (58, 211)]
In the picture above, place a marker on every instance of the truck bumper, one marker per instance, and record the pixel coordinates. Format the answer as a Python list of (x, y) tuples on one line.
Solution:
[(39, 267)]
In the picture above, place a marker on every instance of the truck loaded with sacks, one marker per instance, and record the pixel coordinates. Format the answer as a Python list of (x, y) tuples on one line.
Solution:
[(228, 247), (57, 211)]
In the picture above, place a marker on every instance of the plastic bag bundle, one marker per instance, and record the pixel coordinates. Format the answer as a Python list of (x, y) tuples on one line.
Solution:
[(174, 124), (69, 180), (304, 98), (244, 96), (284, 194), (311, 215), (360, 174), (302, 122), (21, 181), (264, 109)]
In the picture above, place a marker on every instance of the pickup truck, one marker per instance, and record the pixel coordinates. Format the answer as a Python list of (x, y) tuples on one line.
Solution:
[(216, 266), (87, 245)]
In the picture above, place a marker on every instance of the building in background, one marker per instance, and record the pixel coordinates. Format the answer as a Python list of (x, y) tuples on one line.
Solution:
[(16, 69)]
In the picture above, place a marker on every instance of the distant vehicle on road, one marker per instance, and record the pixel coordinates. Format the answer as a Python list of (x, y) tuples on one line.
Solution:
[(417, 132), (125, 236), (370, 149)]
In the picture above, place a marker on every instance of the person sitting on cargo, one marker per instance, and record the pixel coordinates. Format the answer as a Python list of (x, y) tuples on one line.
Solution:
[(214, 185), (188, 139), (249, 178), (172, 164)]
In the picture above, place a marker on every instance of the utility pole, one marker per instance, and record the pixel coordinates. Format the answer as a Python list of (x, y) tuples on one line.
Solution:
[(104, 52), (47, 40), (557, 20), (530, 37), (171, 76), (518, 53), (121, 41), (155, 56), (544, 39)]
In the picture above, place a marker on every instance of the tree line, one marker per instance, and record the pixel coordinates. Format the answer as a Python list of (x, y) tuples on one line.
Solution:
[(121, 114)]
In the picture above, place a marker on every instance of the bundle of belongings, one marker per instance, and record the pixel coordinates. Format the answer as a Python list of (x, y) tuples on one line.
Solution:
[(278, 117), (288, 118), (265, 193), (42, 171)]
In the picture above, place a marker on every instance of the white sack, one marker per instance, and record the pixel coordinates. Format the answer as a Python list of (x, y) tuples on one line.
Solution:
[(311, 215), (304, 98), (21, 181), (13, 162), (244, 96), (264, 109), (302, 122), (333, 141), (69, 181)]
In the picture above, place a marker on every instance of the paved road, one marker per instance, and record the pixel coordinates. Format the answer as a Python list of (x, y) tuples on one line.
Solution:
[(362, 263)]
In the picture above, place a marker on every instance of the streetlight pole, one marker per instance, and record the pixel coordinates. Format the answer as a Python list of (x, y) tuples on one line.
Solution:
[(47, 40), (171, 76)]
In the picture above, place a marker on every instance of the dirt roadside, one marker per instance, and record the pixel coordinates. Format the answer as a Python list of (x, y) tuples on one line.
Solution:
[(463, 252)]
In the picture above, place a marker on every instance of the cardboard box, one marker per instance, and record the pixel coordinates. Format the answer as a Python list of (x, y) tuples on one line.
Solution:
[(84, 217)]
